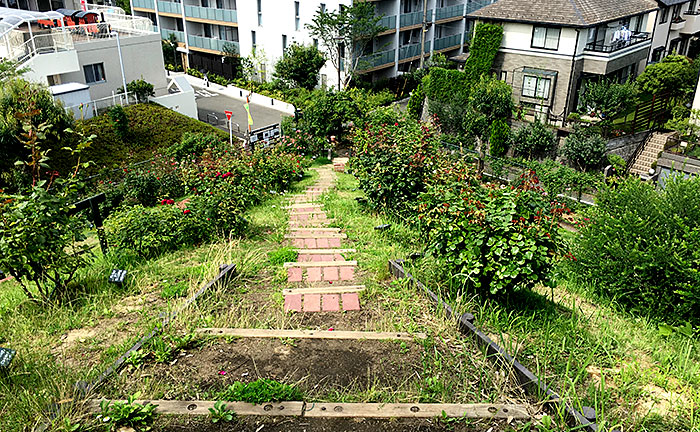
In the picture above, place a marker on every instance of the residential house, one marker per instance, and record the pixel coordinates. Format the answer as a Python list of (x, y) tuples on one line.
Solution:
[(676, 29), (551, 47), (204, 27)]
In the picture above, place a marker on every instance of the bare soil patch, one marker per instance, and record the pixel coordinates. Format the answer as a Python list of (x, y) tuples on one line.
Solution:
[(316, 366)]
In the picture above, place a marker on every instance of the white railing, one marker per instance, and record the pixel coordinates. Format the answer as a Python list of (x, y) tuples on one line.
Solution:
[(98, 106), (15, 49), (130, 23), (105, 8)]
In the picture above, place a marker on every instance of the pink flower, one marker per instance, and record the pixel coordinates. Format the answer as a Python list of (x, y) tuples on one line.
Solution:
[(222, 372)]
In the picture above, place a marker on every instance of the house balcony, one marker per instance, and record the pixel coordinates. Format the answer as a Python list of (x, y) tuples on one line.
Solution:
[(165, 34), (144, 4), (206, 14), (637, 39), (475, 5), (378, 60), (209, 45), (677, 24), (448, 42), (389, 22), (414, 19), (450, 13), (692, 23), (168, 8), (408, 52)]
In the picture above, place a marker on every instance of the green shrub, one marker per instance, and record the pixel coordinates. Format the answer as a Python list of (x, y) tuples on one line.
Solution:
[(606, 99), (448, 97), (195, 73), (499, 141), (618, 163), (534, 140), (557, 179), (641, 248), (492, 97), (120, 122), (495, 240), (194, 144), (584, 149), (392, 161), (415, 103), (384, 115), (174, 290), (150, 231), (261, 391)]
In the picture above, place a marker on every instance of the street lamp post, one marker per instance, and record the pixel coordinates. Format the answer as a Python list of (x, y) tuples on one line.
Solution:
[(338, 41), (121, 63)]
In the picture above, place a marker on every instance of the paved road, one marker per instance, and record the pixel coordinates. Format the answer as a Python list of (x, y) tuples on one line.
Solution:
[(209, 102)]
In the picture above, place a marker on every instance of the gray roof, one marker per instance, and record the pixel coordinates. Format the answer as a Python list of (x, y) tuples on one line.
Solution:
[(672, 2), (570, 13)]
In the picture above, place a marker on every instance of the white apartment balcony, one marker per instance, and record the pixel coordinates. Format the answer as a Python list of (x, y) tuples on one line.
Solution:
[(677, 24), (692, 23)]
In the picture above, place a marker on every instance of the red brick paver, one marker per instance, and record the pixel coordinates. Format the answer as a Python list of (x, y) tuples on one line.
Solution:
[(313, 274), (312, 302), (330, 274), (294, 274), (292, 303), (331, 303), (347, 273), (351, 301)]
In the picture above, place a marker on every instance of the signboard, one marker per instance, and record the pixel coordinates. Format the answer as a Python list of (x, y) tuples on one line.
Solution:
[(229, 114), (247, 109), (266, 134), (117, 276), (6, 356)]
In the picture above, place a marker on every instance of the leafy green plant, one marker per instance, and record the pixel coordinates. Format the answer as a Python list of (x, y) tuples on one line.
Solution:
[(120, 122), (136, 358), (192, 145), (482, 52), (495, 240), (174, 290), (415, 103), (641, 248), (140, 88), (584, 149), (500, 139), (221, 413), (300, 65), (534, 140), (674, 74), (261, 391), (129, 413), (606, 99), (282, 255)]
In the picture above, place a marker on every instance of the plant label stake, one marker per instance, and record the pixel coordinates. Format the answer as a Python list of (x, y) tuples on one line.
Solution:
[(117, 277), (229, 117), (6, 356)]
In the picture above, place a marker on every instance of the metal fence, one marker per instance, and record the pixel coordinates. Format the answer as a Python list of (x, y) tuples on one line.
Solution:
[(99, 106)]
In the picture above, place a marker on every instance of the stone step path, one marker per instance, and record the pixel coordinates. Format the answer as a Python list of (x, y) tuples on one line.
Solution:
[(321, 271)]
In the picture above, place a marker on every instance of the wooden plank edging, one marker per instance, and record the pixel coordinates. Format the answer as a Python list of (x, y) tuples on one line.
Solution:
[(320, 264), (333, 289), (309, 334), (337, 410)]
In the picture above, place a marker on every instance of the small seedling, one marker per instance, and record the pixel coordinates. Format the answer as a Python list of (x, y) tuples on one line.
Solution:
[(221, 413), (282, 255), (129, 413), (261, 391), (136, 358)]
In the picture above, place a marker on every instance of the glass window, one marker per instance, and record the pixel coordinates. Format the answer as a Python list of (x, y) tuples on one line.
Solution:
[(94, 73), (259, 12), (284, 42), (692, 6), (297, 21), (254, 39), (677, 12), (546, 37), (657, 55), (664, 15), (536, 87)]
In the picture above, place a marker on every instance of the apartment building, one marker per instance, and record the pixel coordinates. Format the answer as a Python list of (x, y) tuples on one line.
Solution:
[(551, 47), (204, 27), (677, 29)]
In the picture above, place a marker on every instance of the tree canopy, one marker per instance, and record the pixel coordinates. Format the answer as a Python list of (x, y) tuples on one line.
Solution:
[(353, 28), (674, 74), (299, 66)]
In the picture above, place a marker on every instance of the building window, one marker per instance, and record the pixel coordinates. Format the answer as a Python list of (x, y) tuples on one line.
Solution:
[(315, 43), (664, 15), (657, 54), (259, 12), (692, 6), (536, 87), (94, 73), (284, 42), (322, 6), (546, 37), (297, 20), (207, 30), (673, 47), (676, 13), (504, 75), (254, 39)]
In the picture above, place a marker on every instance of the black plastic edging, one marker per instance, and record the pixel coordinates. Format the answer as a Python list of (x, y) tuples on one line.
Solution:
[(227, 271), (529, 381)]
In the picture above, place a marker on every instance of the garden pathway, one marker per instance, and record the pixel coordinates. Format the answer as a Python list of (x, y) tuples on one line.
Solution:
[(324, 279)]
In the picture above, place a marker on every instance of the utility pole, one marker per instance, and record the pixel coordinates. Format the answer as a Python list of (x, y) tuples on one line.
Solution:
[(422, 32)]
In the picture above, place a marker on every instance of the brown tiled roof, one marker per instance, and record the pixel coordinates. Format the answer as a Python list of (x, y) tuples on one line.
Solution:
[(572, 13)]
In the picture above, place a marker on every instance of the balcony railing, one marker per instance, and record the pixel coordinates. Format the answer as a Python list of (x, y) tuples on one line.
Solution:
[(169, 7), (145, 4), (377, 59), (449, 12), (447, 41), (227, 15), (389, 22), (414, 18), (209, 43), (475, 5), (635, 39), (165, 34), (409, 51)]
